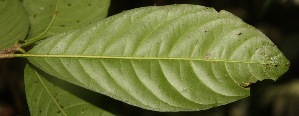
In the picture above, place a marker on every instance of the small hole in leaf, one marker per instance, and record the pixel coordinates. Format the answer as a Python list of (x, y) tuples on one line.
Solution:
[(245, 85)]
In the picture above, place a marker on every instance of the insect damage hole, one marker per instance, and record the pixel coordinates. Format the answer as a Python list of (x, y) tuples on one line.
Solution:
[(245, 85)]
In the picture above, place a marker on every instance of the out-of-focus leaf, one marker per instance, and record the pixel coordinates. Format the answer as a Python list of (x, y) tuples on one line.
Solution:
[(14, 23), (290, 47), (281, 99), (164, 58), (51, 17), (45, 98)]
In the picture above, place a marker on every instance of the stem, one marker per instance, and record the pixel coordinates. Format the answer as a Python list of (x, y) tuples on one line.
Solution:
[(6, 56), (8, 53), (10, 50)]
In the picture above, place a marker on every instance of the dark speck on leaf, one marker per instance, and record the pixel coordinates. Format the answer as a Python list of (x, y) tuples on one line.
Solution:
[(89, 4), (62, 25), (34, 15), (84, 109), (78, 21), (239, 33), (58, 111), (69, 4)]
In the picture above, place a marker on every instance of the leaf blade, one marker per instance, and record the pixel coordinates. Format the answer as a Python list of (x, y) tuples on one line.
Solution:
[(46, 98), (170, 58), (14, 23), (48, 18)]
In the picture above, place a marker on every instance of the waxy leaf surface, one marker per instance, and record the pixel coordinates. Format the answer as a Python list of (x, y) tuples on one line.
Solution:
[(164, 58)]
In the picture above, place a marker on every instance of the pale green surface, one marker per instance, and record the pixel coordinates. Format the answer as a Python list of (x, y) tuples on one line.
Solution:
[(170, 58), (71, 14), (14, 23), (41, 93)]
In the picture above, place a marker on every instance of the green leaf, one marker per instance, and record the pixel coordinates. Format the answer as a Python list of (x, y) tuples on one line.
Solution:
[(14, 23), (48, 99), (164, 58), (52, 17)]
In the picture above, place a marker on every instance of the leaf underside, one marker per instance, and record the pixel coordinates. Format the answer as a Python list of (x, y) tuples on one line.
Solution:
[(164, 58), (52, 17), (14, 23), (48, 99)]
